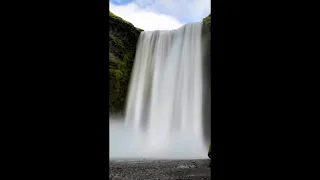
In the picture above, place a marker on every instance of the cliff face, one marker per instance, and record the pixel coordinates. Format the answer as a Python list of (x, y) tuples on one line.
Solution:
[(123, 38), (207, 26)]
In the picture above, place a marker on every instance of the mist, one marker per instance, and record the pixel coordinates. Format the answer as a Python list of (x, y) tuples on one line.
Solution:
[(130, 145)]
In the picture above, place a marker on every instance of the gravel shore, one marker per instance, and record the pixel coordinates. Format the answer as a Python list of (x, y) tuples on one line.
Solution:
[(160, 170)]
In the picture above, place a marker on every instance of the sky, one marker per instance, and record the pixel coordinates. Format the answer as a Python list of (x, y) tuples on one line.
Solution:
[(160, 14)]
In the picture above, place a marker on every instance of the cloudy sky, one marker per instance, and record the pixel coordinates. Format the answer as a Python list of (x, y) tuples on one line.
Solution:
[(160, 14)]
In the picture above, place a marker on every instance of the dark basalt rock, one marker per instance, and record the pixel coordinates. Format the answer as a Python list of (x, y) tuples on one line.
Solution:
[(123, 38)]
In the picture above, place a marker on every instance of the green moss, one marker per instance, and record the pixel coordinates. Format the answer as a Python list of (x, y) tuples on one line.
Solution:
[(115, 60), (117, 41), (117, 73), (207, 20), (140, 30), (127, 56), (207, 26), (111, 15), (119, 65), (119, 80), (115, 63), (123, 38)]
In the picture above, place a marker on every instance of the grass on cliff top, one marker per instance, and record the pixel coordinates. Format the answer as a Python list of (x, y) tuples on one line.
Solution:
[(120, 19), (140, 30), (207, 20)]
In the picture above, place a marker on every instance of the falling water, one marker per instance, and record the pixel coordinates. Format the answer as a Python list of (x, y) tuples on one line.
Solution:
[(164, 106)]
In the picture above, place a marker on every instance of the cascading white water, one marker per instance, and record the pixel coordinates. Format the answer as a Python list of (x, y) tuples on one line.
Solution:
[(164, 105)]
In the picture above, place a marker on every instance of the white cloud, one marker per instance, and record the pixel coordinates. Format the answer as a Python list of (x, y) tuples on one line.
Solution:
[(145, 19), (184, 10), (162, 14)]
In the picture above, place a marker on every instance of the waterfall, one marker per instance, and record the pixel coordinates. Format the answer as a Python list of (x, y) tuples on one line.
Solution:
[(164, 104)]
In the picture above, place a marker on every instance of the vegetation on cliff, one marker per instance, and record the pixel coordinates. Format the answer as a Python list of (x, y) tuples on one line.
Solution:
[(123, 37), (207, 20), (111, 15), (207, 26)]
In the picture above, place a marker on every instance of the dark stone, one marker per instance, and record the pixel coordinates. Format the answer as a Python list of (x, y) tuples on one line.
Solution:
[(123, 38)]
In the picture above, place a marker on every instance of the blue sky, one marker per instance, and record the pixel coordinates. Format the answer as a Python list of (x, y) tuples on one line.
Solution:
[(160, 14), (121, 2)]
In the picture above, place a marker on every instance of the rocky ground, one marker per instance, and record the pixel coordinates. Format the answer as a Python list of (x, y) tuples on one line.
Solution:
[(160, 170)]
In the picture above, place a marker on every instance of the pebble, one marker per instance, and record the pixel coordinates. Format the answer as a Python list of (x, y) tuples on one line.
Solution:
[(160, 170)]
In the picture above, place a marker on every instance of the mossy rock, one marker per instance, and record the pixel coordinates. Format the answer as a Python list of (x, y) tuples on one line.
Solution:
[(140, 30), (123, 38), (111, 15), (207, 20), (209, 151)]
